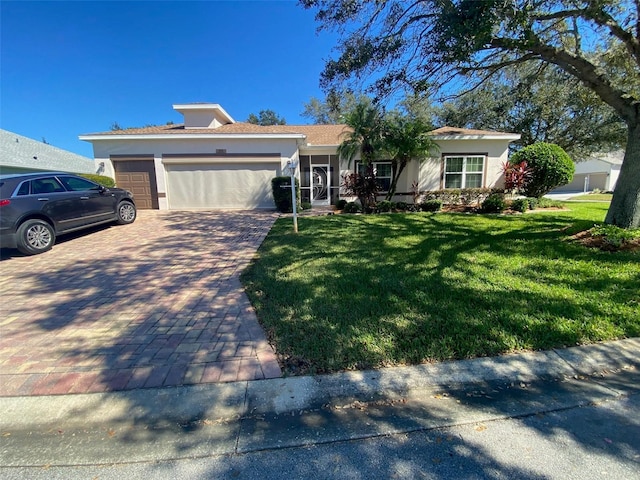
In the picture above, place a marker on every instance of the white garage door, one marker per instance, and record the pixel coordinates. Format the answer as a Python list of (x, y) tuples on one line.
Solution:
[(238, 185), (595, 181)]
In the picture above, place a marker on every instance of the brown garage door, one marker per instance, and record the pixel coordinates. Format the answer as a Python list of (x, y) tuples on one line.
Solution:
[(139, 177)]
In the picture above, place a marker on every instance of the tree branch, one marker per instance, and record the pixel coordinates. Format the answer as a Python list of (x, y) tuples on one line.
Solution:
[(601, 18), (579, 68)]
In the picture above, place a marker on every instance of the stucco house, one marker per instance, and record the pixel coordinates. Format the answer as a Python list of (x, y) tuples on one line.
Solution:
[(19, 154), (213, 162), (598, 171)]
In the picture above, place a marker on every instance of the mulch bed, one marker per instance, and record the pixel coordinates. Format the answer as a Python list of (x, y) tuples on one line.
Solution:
[(597, 241)]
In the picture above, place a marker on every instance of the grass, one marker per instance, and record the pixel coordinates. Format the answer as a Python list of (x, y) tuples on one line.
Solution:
[(594, 197), (355, 291)]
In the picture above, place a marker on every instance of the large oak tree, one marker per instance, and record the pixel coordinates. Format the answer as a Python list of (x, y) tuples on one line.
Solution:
[(542, 104), (428, 44)]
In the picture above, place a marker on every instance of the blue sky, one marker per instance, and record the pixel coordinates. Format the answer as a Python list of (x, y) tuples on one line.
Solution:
[(69, 68)]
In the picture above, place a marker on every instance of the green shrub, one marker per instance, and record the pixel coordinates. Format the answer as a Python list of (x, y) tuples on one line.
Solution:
[(402, 206), (340, 204), (533, 202), (520, 205), (385, 206), (615, 236), (453, 196), (470, 196), (100, 179), (281, 187), (352, 207), (494, 203), (431, 206), (449, 196), (549, 166), (305, 205), (548, 203)]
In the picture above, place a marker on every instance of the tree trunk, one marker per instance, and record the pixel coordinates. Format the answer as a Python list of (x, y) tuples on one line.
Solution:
[(396, 170), (624, 211)]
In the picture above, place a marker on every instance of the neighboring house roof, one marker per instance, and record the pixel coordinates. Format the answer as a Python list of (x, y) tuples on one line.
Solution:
[(21, 152), (613, 158), (445, 133)]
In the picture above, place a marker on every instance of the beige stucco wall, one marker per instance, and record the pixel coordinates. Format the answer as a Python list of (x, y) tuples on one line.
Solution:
[(104, 149), (496, 151), (426, 173)]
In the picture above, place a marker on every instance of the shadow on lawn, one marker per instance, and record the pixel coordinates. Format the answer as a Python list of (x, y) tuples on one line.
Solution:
[(453, 287)]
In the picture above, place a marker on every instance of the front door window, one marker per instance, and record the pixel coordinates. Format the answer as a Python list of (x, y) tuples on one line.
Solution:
[(320, 185)]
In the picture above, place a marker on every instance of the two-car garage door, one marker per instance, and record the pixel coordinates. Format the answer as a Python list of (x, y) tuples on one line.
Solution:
[(244, 185)]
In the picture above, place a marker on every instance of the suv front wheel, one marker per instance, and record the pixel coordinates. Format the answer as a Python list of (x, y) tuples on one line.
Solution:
[(35, 236), (126, 213)]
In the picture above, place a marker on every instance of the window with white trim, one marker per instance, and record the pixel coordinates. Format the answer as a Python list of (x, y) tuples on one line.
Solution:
[(464, 171), (383, 173)]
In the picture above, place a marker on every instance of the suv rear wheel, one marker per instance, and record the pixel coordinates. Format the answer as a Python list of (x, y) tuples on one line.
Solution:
[(35, 236)]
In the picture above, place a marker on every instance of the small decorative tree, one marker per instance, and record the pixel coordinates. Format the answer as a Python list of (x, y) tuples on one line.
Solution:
[(550, 167), (515, 176), (364, 186)]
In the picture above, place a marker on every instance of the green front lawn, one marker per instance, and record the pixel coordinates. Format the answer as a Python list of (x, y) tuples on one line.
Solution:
[(594, 197), (355, 291)]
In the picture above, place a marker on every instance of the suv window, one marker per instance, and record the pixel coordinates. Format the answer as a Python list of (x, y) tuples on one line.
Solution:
[(24, 189), (78, 184), (46, 185)]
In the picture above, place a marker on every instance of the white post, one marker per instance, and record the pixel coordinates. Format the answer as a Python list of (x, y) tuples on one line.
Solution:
[(292, 172)]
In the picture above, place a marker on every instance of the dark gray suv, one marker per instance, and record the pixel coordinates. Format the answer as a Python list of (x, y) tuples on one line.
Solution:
[(37, 207)]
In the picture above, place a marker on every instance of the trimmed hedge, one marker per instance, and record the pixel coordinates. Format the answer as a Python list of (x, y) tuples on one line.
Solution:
[(281, 187), (457, 196), (99, 179)]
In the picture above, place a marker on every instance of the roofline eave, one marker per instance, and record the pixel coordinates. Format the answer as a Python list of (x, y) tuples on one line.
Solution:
[(509, 137), (191, 136)]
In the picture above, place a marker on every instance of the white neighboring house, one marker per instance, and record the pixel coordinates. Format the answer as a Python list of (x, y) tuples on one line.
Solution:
[(20, 154), (213, 162), (599, 171)]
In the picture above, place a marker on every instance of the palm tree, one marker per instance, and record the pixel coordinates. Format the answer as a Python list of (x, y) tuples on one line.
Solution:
[(406, 139), (365, 134)]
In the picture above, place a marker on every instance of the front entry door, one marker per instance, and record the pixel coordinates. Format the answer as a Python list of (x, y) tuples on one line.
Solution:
[(320, 185)]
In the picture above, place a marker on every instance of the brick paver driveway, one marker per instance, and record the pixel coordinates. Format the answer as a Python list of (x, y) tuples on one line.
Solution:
[(155, 303)]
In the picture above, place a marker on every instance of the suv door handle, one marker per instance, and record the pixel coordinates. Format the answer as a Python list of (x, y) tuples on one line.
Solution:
[(84, 198), (43, 199)]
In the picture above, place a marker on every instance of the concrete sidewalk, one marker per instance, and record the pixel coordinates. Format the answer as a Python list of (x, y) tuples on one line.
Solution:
[(202, 420)]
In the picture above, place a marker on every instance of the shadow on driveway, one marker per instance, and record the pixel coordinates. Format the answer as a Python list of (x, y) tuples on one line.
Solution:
[(155, 303)]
